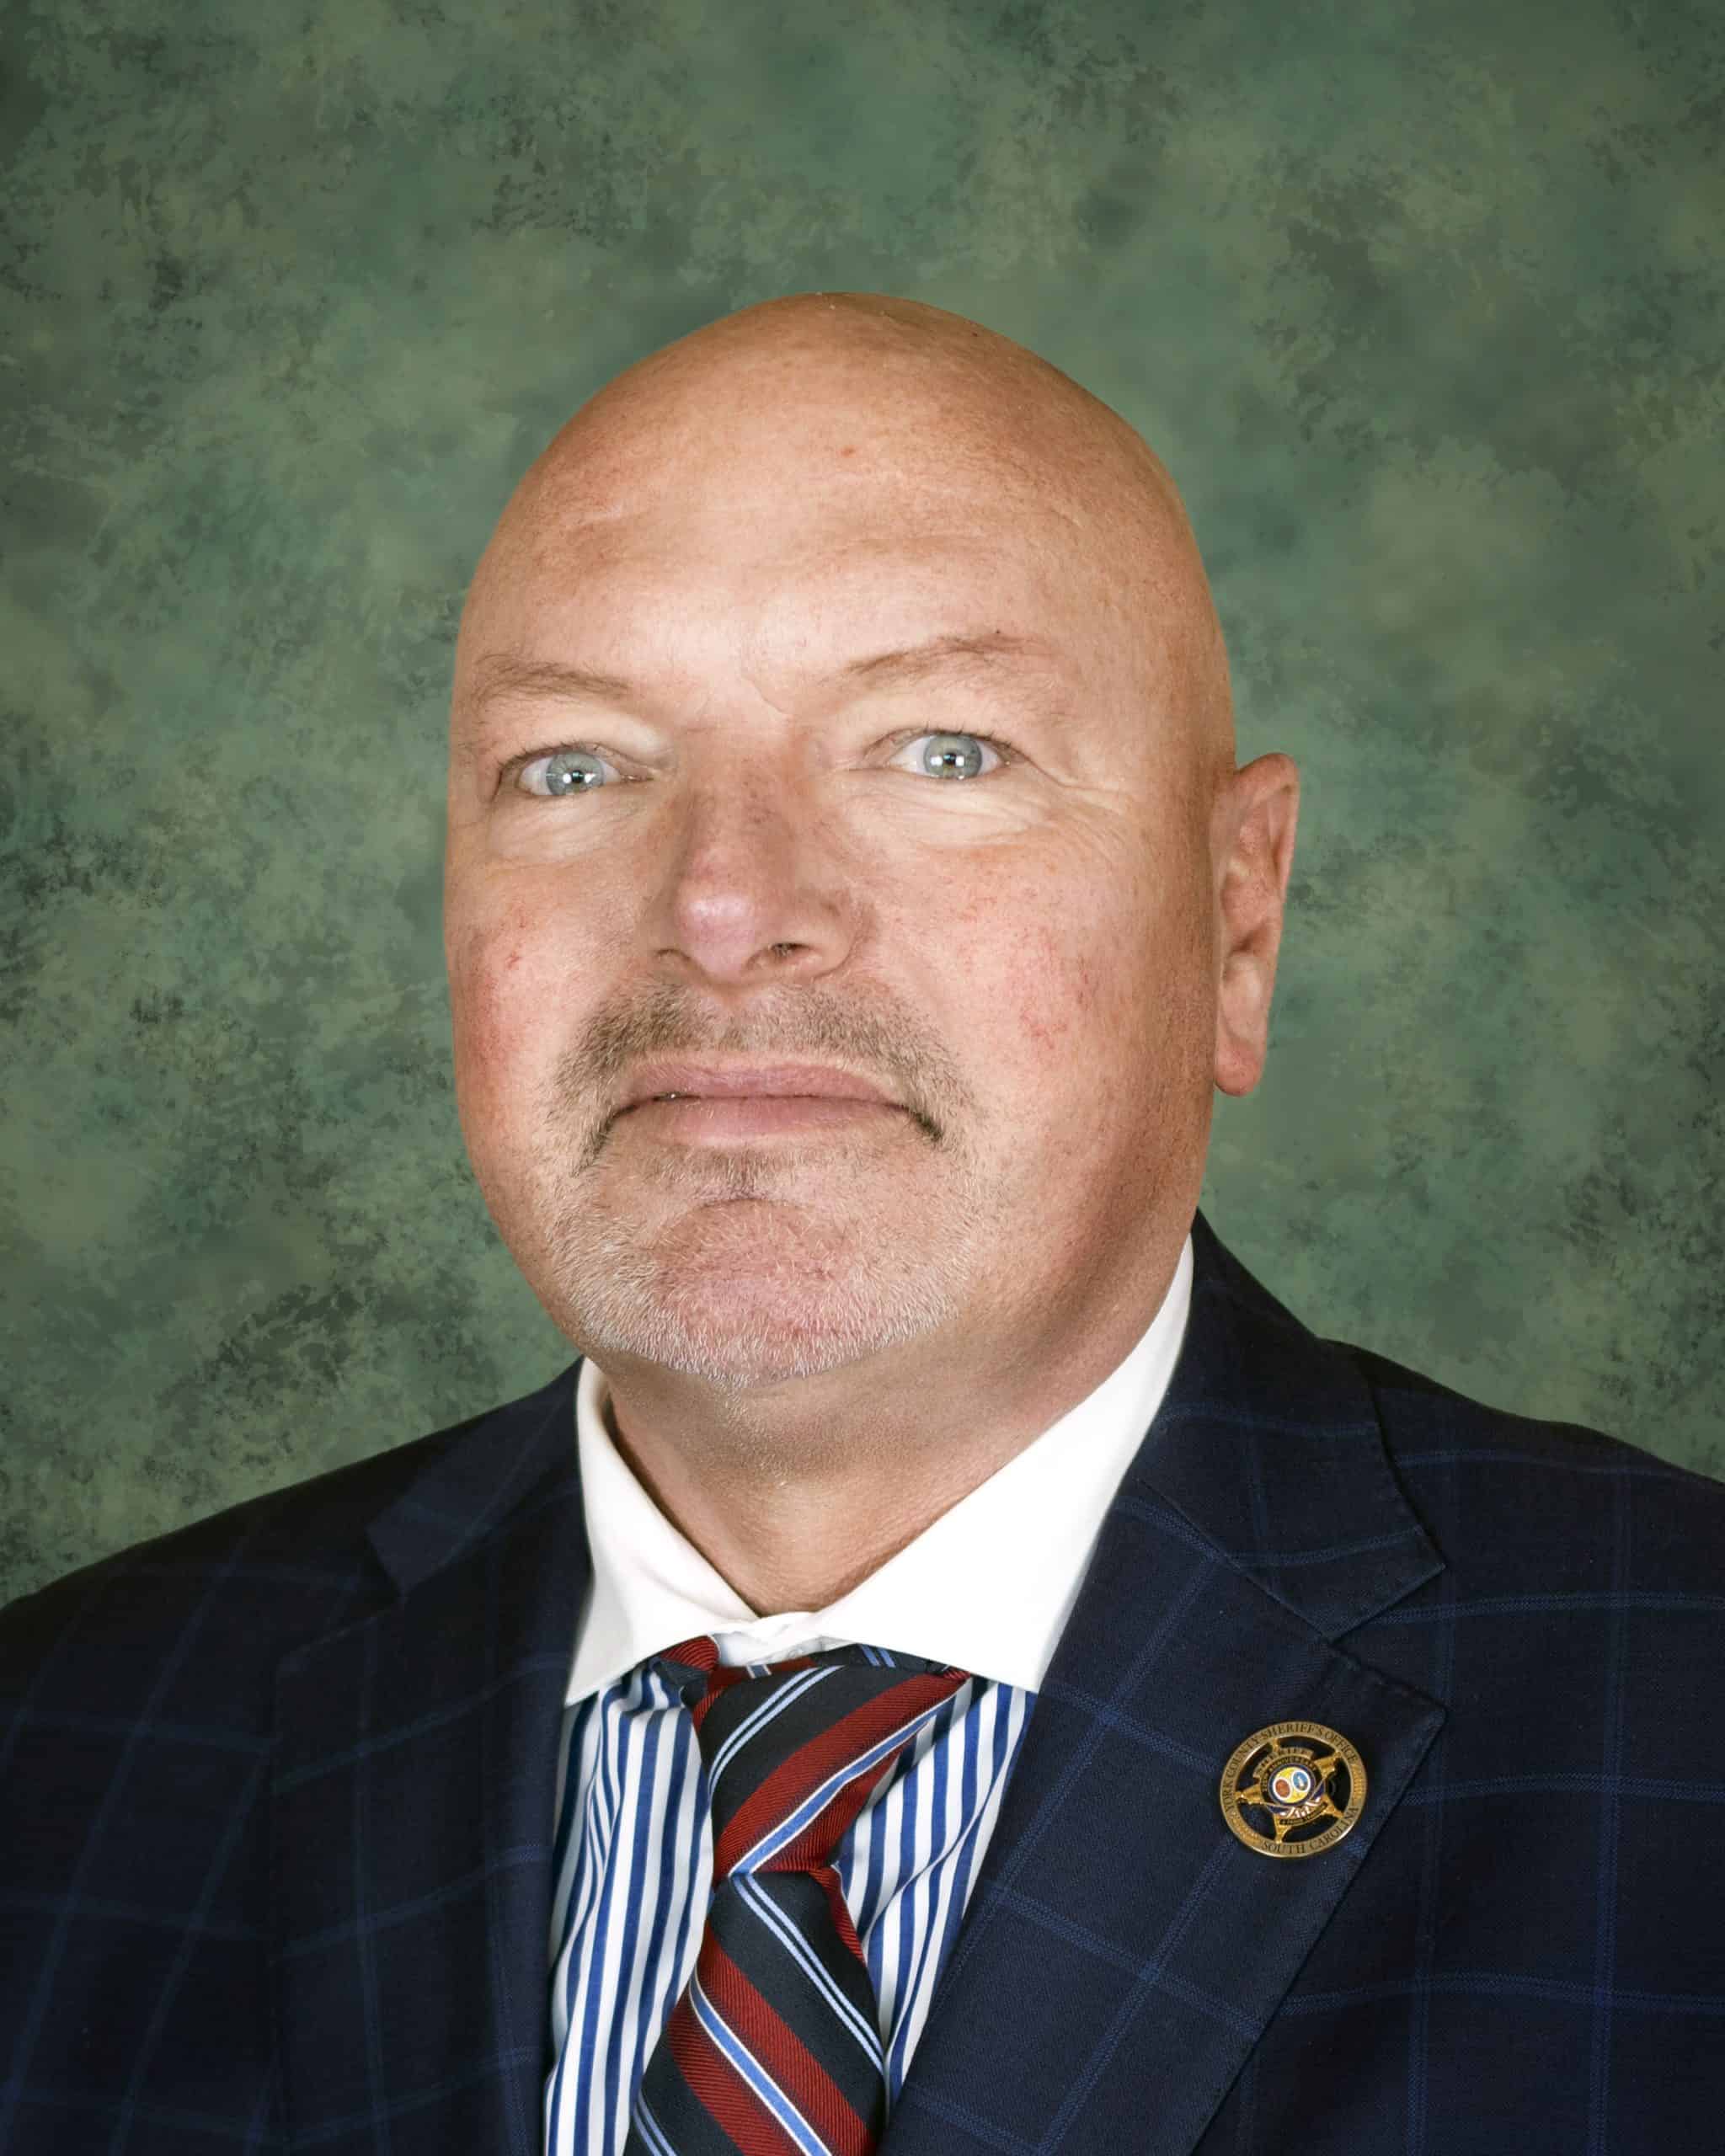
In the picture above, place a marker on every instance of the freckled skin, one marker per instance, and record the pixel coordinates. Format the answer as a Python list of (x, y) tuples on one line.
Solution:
[(817, 1345)]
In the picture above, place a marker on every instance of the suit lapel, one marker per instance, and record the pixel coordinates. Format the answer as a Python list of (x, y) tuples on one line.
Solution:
[(1122, 1952), (413, 1805)]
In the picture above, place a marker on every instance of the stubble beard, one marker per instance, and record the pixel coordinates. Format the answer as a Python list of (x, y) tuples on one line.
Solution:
[(756, 1275)]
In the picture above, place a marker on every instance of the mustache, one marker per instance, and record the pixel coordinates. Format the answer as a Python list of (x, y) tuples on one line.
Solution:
[(804, 1027)]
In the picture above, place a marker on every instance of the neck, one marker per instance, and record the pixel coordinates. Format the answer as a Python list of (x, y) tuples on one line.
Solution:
[(797, 1492)]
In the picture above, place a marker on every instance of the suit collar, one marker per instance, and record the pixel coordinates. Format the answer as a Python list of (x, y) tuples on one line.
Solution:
[(1267, 1443), (489, 1468)]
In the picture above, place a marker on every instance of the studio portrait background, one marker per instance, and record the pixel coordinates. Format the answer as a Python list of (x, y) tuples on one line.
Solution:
[(1421, 307)]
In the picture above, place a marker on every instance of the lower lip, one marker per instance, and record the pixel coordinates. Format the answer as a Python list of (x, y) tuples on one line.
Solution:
[(754, 1115)]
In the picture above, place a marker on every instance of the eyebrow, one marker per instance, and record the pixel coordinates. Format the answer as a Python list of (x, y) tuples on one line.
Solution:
[(505, 674), (946, 655), (508, 675)]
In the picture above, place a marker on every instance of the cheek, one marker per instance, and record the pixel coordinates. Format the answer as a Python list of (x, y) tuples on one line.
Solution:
[(1039, 971), (1084, 992), (500, 1004), (1052, 993)]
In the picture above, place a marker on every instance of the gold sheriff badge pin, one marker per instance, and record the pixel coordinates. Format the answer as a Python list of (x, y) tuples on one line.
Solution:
[(1293, 1789)]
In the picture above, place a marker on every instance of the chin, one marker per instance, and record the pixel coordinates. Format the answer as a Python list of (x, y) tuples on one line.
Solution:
[(736, 1327)]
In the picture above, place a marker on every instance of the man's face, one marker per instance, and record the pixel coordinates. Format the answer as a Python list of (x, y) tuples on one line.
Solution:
[(978, 876)]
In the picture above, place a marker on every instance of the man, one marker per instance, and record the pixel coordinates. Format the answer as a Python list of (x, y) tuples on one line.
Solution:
[(953, 1665)]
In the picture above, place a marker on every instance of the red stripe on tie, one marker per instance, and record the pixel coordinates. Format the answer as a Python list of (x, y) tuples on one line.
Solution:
[(763, 2032), (825, 1755), (721, 2090)]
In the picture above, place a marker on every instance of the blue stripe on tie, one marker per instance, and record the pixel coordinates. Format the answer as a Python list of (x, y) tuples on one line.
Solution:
[(651, 2131), (778, 1838), (755, 2074), (774, 1917), (793, 1690)]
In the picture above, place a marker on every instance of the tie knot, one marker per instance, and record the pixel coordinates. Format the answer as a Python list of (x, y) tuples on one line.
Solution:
[(793, 1750)]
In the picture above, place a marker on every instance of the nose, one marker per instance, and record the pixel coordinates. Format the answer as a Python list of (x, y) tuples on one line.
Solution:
[(754, 891)]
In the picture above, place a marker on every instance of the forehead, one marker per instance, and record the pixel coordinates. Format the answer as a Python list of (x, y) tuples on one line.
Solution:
[(776, 561)]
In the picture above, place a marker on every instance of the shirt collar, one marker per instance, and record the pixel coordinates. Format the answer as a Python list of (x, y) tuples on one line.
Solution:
[(987, 1586)]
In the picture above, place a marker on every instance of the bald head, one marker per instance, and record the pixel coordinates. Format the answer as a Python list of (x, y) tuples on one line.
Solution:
[(792, 395)]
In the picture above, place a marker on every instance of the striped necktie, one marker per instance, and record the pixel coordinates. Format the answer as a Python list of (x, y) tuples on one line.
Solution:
[(774, 2048)]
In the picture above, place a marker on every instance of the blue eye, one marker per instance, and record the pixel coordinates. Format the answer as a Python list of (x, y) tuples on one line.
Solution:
[(950, 754), (579, 779)]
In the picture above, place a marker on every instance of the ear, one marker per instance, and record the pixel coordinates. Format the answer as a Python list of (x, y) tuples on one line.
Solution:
[(1252, 828)]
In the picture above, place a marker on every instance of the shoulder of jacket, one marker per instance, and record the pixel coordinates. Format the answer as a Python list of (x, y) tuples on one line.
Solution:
[(1468, 1459), (258, 1575)]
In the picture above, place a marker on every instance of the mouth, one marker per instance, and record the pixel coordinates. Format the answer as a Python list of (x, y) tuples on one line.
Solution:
[(673, 1079), (696, 1119)]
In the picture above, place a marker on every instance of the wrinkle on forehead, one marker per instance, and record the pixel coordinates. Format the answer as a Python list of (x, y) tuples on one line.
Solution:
[(832, 386)]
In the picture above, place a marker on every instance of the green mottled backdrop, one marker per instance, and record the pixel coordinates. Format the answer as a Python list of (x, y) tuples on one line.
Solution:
[(1422, 306)]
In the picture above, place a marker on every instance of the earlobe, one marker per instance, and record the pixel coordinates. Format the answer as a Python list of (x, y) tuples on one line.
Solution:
[(1243, 1019), (1254, 882)]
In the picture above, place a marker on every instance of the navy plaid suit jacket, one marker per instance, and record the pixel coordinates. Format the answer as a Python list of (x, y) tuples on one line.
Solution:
[(276, 1796)]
